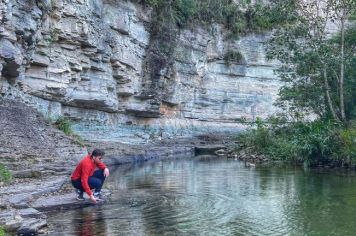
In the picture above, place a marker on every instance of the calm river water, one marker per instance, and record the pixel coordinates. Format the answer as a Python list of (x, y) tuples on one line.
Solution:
[(217, 196)]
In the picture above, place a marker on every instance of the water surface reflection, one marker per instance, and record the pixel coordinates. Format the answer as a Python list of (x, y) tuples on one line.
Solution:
[(217, 197)]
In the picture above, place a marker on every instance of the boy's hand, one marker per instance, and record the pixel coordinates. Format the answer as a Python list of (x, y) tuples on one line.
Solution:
[(106, 172), (92, 198)]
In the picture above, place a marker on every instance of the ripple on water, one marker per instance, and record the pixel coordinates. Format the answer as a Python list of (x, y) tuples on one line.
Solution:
[(216, 197)]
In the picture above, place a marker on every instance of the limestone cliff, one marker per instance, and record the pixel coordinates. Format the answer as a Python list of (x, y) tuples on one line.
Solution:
[(87, 60)]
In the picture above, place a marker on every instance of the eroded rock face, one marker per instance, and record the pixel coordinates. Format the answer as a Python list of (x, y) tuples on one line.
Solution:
[(87, 60), (30, 147)]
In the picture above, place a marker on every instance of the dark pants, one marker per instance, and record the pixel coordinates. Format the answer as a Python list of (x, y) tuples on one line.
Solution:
[(95, 181)]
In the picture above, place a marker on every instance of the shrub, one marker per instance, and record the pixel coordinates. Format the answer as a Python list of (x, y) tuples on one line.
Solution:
[(5, 175), (2, 231), (233, 56), (348, 141), (316, 142), (64, 125), (239, 17)]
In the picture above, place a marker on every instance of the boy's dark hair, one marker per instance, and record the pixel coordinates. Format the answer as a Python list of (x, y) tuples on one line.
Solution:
[(97, 152)]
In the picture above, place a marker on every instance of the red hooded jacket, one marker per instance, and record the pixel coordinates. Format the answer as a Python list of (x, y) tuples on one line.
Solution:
[(84, 170)]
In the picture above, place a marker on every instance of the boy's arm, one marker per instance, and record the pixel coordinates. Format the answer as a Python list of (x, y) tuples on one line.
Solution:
[(102, 166)]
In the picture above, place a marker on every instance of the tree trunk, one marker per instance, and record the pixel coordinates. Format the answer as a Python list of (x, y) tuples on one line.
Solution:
[(342, 69), (327, 93)]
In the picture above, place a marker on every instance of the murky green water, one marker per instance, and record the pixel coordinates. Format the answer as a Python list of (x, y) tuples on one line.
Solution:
[(218, 197)]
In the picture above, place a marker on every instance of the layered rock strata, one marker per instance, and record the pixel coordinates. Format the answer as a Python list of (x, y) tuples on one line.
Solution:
[(86, 60)]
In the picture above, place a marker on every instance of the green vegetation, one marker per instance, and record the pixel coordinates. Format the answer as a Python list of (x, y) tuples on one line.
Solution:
[(312, 143), (53, 4), (318, 71), (320, 80), (5, 175), (65, 125), (233, 56), (53, 35), (2, 231), (241, 17)]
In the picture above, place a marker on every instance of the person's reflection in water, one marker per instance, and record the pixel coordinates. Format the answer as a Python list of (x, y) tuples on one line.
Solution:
[(90, 222)]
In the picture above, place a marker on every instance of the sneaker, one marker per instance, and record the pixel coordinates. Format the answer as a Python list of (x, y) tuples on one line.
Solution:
[(80, 195), (98, 196)]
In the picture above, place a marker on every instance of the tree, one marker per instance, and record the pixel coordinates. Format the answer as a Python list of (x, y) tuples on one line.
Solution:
[(314, 58)]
